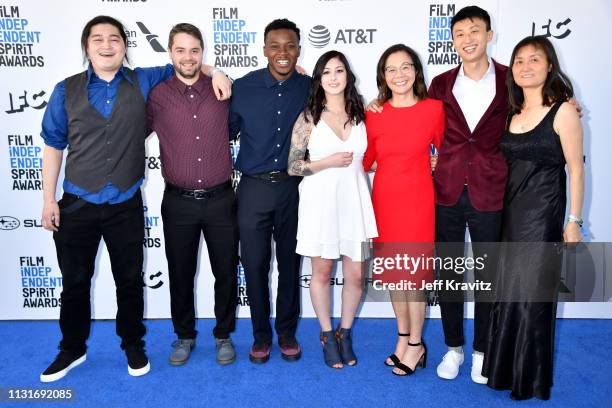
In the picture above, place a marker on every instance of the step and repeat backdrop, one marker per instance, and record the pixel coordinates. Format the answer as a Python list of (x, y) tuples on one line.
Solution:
[(40, 45)]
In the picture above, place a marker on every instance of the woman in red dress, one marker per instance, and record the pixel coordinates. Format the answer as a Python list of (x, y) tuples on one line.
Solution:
[(399, 141)]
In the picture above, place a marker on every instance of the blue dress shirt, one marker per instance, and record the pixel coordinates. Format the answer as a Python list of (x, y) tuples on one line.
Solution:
[(102, 96), (264, 110)]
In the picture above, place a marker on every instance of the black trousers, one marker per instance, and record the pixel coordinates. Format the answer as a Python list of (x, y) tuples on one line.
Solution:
[(185, 220), (450, 228), (81, 227), (266, 210)]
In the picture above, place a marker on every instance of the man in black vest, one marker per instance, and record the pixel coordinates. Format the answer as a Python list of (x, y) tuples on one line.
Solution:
[(100, 115)]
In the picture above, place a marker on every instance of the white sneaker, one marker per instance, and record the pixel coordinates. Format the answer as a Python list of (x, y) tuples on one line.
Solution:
[(477, 377), (449, 367)]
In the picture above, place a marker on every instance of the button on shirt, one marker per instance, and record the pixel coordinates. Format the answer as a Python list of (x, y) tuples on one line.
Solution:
[(474, 97), (264, 110), (192, 128), (102, 96)]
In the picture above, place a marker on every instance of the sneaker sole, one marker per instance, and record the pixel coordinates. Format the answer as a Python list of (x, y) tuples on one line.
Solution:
[(62, 374), (477, 380), (447, 376), (137, 372)]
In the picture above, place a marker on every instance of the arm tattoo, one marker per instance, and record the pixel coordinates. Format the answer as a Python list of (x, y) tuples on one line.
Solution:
[(297, 152)]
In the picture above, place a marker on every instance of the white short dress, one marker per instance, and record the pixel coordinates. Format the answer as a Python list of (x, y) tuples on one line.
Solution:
[(335, 213)]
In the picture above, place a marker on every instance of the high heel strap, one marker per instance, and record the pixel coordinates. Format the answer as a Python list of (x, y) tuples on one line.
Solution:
[(407, 370), (395, 359), (423, 359)]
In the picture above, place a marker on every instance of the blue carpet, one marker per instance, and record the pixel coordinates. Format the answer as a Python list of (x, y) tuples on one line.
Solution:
[(583, 375)]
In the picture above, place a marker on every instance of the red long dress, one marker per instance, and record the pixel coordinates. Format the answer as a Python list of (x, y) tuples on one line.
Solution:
[(399, 142)]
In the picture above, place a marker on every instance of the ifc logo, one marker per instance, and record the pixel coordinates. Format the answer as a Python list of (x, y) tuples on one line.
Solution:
[(319, 36)]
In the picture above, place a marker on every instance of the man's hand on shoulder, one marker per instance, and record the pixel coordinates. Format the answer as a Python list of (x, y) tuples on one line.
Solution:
[(222, 85)]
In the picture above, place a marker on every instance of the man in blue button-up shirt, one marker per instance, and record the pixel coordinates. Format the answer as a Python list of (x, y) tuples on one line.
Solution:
[(100, 116), (264, 107)]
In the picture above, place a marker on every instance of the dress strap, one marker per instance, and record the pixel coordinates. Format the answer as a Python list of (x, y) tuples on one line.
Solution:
[(553, 110)]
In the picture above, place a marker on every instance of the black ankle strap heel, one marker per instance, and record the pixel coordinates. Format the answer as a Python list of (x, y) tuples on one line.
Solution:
[(422, 361), (393, 357)]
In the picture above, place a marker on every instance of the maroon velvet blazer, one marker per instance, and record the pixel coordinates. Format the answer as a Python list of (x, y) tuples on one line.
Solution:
[(471, 157)]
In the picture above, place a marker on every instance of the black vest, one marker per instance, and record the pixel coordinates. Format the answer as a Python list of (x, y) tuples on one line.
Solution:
[(102, 150)]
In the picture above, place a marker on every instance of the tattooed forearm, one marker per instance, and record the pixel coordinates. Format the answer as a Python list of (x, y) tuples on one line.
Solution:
[(296, 165)]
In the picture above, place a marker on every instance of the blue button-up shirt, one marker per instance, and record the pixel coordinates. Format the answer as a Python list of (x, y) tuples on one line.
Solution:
[(264, 110), (102, 96)]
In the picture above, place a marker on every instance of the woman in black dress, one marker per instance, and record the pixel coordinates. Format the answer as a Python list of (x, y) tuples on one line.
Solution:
[(543, 135)]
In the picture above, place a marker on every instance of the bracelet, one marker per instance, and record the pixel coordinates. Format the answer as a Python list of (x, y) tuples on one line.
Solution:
[(573, 218)]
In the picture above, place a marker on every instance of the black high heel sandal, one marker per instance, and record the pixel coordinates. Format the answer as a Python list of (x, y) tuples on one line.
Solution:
[(345, 343), (393, 357), (331, 355), (422, 361)]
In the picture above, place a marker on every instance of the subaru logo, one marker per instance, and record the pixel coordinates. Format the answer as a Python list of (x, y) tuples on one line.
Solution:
[(319, 36), (305, 281), (8, 223)]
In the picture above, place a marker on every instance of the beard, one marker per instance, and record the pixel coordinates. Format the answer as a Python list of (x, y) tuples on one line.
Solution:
[(188, 74)]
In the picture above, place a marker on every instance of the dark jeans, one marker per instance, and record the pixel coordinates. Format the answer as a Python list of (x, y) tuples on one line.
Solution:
[(81, 227), (265, 210), (185, 219), (484, 226)]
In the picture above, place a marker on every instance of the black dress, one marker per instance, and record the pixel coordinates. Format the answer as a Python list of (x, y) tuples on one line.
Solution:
[(519, 356)]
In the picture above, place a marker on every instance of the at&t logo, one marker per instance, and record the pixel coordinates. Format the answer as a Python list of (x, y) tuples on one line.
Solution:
[(320, 36)]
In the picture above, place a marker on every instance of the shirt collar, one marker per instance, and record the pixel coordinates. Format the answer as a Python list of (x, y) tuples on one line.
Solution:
[(182, 87), (121, 73), (271, 81), (490, 70)]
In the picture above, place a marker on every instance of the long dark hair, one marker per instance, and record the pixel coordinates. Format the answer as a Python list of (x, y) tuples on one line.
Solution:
[(316, 98), (102, 20), (419, 88), (557, 86)]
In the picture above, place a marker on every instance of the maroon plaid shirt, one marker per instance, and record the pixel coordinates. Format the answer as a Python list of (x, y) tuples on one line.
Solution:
[(192, 128)]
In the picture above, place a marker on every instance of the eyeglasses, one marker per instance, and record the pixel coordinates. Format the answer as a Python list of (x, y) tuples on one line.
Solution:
[(405, 69)]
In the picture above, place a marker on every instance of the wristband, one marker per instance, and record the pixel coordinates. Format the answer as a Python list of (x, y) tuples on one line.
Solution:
[(573, 218), (214, 71)]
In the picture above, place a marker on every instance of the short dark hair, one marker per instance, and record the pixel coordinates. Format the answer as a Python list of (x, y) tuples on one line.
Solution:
[(471, 12), (419, 88), (279, 24), (557, 86), (353, 103), (185, 28), (102, 20)]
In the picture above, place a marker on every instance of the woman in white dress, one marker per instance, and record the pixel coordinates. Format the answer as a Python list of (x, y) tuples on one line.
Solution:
[(335, 215)]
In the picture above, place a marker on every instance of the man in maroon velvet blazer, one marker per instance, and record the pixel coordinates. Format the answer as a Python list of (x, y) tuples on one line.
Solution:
[(470, 175)]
